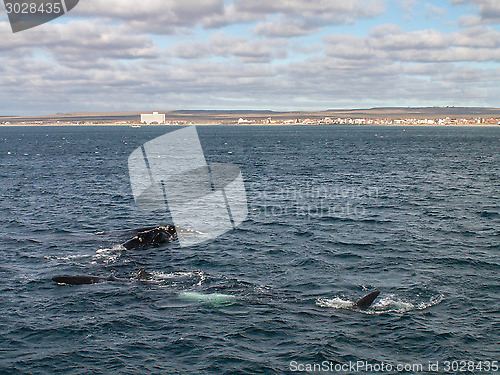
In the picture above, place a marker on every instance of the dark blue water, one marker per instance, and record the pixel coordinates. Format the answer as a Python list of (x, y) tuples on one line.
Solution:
[(334, 213)]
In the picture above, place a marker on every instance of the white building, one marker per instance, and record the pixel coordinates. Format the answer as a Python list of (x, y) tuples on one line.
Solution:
[(244, 121), (149, 118)]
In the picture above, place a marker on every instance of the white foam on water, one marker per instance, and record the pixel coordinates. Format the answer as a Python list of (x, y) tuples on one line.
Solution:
[(184, 278), (108, 255), (66, 257), (335, 303), (389, 304)]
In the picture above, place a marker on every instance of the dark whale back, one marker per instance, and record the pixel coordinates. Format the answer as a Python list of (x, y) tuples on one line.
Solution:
[(86, 279), (151, 237), (79, 280)]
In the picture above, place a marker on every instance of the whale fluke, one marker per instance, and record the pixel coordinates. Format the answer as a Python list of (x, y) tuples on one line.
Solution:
[(366, 301)]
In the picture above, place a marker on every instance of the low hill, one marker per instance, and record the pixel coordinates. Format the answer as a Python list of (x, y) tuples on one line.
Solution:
[(232, 116)]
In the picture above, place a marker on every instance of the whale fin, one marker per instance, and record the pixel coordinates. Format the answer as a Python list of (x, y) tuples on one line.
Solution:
[(142, 275), (367, 300)]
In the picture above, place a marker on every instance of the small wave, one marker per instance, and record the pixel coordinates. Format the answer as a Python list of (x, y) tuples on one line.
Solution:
[(390, 304), (489, 214), (347, 256), (304, 233), (353, 219), (353, 243)]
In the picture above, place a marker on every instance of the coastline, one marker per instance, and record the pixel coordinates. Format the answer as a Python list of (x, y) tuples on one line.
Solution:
[(484, 125), (386, 116)]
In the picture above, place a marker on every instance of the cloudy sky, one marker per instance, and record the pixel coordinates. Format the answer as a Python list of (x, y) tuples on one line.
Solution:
[(109, 55)]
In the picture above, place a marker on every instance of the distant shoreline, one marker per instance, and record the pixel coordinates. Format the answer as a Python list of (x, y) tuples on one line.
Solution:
[(250, 125), (425, 116)]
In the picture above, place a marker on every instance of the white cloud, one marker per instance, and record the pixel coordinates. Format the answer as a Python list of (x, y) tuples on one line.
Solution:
[(171, 16), (156, 16), (111, 60), (327, 10), (434, 12), (289, 18), (79, 41), (391, 43), (489, 10), (283, 28), (221, 45)]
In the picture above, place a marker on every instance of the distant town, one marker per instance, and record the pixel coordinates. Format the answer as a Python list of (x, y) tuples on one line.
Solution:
[(369, 121), (432, 116)]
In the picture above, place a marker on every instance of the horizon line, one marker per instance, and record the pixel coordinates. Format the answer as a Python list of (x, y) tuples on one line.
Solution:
[(254, 110)]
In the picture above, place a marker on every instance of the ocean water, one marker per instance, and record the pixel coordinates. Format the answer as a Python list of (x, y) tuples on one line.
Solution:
[(334, 213)]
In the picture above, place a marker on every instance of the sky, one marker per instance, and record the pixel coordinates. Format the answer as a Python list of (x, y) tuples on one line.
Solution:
[(282, 55)]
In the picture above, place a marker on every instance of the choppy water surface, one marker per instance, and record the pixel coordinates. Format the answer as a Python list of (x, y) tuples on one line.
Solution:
[(334, 213)]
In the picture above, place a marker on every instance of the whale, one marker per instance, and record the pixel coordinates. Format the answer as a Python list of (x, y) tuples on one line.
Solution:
[(84, 279), (367, 300), (151, 237), (142, 275), (156, 236), (213, 299)]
